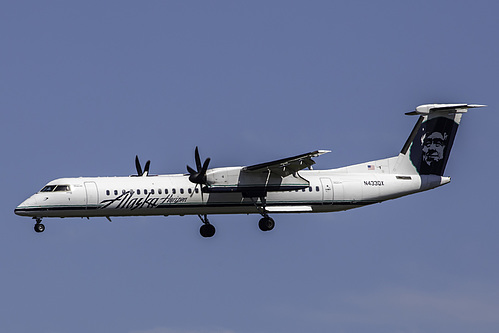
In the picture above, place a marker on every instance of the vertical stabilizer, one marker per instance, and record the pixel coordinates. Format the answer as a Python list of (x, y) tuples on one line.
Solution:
[(427, 149)]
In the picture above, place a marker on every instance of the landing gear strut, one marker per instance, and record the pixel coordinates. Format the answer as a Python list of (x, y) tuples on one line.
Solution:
[(39, 227), (266, 223), (207, 229)]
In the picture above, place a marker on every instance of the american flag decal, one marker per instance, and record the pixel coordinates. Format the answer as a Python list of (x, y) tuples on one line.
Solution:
[(370, 167)]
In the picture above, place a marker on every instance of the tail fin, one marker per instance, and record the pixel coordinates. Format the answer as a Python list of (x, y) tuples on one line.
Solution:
[(427, 149)]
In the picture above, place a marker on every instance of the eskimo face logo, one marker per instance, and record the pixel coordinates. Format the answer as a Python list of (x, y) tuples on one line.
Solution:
[(432, 143), (433, 146)]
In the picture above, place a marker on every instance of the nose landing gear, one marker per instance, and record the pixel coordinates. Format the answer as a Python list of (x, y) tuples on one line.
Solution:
[(39, 227)]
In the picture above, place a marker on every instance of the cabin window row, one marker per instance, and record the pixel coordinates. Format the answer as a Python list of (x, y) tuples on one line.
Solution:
[(152, 191), (181, 190), (310, 189)]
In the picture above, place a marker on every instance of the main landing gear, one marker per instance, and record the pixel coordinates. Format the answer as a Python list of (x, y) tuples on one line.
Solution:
[(39, 227), (266, 223), (207, 229)]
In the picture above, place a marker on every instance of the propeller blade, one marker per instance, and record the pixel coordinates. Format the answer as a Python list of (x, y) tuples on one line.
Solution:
[(146, 168), (198, 159), (191, 170), (137, 165), (201, 190), (198, 176), (205, 166)]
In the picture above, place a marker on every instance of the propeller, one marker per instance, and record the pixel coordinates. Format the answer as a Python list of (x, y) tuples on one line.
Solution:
[(139, 168), (198, 176)]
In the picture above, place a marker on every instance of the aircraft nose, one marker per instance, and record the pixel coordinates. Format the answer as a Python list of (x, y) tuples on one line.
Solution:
[(23, 208)]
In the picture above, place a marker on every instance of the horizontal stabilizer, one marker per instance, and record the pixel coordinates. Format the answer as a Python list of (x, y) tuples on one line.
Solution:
[(452, 108)]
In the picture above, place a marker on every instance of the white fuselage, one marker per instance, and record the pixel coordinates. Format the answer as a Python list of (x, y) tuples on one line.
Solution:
[(329, 190), (279, 186)]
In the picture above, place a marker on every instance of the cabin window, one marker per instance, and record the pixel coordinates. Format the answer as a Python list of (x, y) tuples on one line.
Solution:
[(159, 191), (115, 192), (303, 190), (317, 188), (166, 191), (181, 191), (189, 190), (107, 192), (152, 191), (123, 191), (138, 192), (145, 191), (173, 191), (310, 189), (196, 190)]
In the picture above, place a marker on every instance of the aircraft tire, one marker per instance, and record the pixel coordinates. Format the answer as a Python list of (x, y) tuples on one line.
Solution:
[(207, 230), (266, 224), (39, 227)]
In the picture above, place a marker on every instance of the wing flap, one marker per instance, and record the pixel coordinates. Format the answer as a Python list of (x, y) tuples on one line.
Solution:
[(286, 166)]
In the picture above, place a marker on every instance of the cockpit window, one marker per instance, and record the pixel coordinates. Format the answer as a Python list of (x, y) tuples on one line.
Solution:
[(56, 188), (48, 188), (62, 188)]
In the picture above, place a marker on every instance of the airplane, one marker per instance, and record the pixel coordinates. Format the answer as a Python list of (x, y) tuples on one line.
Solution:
[(288, 185)]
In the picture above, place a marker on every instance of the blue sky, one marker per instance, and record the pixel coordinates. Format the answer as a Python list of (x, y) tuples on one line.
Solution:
[(87, 86)]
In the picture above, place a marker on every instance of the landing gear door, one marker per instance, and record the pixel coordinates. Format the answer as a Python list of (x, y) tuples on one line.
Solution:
[(92, 195), (327, 191)]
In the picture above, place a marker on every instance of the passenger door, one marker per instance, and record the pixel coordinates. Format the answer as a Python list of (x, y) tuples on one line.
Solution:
[(327, 191), (92, 195)]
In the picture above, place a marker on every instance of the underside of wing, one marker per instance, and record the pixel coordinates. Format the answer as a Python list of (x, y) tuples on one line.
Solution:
[(286, 166)]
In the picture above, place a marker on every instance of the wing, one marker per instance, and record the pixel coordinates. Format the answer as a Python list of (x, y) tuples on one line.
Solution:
[(286, 166), (256, 180)]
